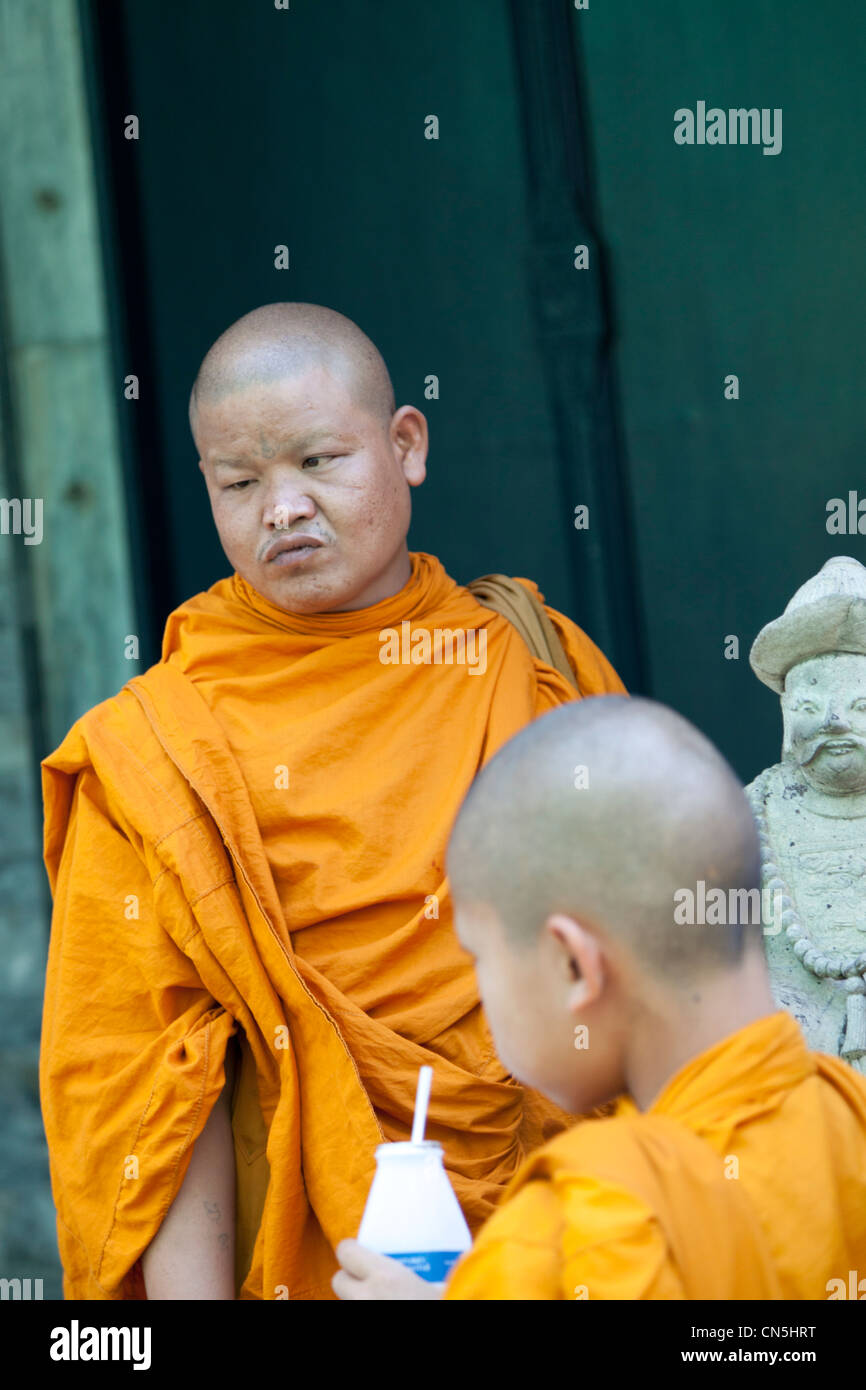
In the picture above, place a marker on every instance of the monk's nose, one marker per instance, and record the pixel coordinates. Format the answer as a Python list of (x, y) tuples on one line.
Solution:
[(288, 505)]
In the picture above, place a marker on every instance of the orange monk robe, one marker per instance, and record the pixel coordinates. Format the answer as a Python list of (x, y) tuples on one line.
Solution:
[(249, 840), (746, 1178)]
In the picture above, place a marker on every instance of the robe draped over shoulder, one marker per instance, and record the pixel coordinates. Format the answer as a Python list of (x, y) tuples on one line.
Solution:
[(745, 1179), (245, 848)]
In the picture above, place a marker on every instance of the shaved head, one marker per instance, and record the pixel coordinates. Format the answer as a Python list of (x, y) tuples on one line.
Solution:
[(286, 340), (307, 464), (603, 810)]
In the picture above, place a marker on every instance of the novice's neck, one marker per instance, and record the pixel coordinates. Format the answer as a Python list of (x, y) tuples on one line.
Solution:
[(683, 1024)]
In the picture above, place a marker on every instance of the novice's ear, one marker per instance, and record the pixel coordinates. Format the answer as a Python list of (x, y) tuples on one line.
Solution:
[(585, 958)]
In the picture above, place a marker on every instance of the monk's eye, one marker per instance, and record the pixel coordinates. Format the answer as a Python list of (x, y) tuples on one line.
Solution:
[(232, 487), (859, 706), (321, 458), (806, 707)]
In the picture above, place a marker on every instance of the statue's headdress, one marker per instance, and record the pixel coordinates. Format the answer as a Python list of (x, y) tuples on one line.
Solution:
[(827, 614)]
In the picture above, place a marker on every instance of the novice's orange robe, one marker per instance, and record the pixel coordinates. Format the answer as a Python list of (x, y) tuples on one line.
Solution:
[(745, 1178), (248, 841)]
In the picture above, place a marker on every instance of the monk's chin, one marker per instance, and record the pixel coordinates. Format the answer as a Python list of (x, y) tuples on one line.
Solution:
[(294, 599), (303, 590)]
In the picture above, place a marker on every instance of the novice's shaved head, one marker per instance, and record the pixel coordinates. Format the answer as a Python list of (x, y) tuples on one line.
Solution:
[(285, 340), (604, 810)]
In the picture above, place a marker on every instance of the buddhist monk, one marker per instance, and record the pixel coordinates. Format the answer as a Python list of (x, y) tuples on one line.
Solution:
[(252, 946), (734, 1163)]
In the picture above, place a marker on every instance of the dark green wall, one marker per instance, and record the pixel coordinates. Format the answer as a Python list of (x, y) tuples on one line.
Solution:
[(728, 260), (306, 127)]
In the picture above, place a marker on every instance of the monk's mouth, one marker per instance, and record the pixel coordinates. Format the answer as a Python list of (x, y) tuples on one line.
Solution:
[(287, 554), (294, 556), (836, 747)]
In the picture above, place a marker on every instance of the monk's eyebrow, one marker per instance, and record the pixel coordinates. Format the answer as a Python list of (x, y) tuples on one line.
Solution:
[(307, 441), (228, 463), (300, 442)]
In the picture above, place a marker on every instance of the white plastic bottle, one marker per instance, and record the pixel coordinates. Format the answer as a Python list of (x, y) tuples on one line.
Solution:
[(412, 1213)]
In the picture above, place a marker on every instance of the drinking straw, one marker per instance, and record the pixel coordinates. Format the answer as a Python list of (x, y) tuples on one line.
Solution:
[(422, 1099)]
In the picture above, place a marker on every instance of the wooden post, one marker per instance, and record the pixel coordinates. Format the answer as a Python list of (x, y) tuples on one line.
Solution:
[(62, 396), (65, 594)]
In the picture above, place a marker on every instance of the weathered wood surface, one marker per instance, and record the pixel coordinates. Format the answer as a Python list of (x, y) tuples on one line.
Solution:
[(65, 603)]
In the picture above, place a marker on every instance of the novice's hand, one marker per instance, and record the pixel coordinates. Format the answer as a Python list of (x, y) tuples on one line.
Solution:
[(366, 1275)]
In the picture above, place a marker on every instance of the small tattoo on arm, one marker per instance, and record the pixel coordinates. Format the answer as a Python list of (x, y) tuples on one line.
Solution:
[(213, 1211)]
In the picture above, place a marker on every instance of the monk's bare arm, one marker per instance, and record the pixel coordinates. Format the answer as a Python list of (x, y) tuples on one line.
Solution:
[(192, 1255)]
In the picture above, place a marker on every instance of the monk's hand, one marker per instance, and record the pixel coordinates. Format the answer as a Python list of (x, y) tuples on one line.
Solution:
[(366, 1275)]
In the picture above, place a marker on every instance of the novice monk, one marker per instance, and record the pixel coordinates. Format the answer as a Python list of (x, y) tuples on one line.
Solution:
[(246, 847), (737, 1168)]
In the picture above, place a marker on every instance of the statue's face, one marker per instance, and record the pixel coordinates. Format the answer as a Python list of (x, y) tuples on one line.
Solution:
[(824, 707)]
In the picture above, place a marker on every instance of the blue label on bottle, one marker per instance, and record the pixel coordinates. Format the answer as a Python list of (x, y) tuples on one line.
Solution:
[(432, 1265)]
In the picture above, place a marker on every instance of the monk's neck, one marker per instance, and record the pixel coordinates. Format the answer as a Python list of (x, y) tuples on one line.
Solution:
[(665, 1040)]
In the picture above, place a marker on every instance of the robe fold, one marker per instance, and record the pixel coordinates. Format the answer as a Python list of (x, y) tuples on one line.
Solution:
[(246, 851), (745, 1179)]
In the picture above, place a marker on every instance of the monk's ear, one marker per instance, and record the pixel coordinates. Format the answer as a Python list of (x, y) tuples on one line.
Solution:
[(408, 432), (583, 955)]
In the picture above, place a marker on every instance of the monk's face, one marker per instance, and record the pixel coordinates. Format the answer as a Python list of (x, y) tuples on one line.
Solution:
[(310, 492), (529, 994), (824, 706)]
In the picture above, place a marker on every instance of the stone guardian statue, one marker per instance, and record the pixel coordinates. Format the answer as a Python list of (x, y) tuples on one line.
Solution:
[(811, 809)]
